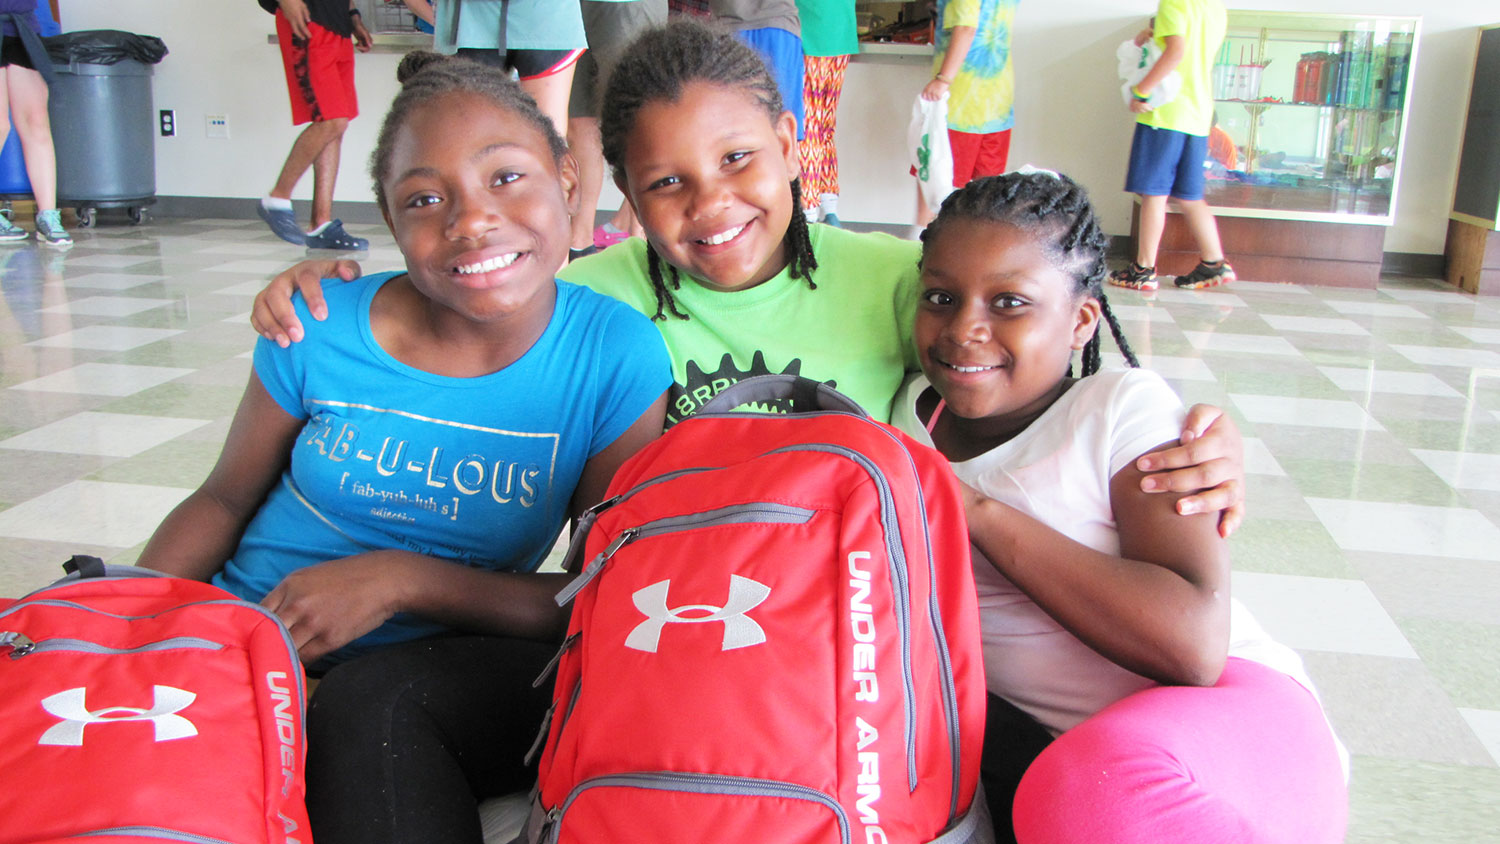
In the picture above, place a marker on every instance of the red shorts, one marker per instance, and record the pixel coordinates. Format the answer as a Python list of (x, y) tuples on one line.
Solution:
[(977, 156), (319, 73)]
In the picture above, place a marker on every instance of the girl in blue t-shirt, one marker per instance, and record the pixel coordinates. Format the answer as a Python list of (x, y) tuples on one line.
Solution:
[(389, 487)]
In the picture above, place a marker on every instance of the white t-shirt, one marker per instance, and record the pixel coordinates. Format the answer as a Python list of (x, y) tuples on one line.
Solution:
[(1058, 471)]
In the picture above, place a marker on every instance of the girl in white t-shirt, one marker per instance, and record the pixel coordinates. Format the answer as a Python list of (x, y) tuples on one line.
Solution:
[(1106, 616)]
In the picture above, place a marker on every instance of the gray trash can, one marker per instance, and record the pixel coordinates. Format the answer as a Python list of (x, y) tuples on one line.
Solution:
[(104, 131)]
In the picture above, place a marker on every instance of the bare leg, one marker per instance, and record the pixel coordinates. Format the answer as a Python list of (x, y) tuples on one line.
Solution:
[(924, 214), (624, 220), (27, 95), (1200, 221), (583, 139), (1153, 220), (325, 173), (551, 94), (308, 146)]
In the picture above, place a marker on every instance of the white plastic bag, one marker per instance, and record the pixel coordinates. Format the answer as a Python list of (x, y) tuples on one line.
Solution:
[(931, 153), (1135, 63)]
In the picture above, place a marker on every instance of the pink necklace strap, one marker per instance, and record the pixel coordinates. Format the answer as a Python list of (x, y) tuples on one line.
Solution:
[(936, 412)]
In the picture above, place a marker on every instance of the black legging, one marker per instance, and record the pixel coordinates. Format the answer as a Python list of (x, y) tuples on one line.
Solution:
[(404, 742), (1012, 741)]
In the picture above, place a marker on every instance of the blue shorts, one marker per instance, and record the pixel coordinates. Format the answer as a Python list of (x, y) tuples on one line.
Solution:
[(1164, 162), (782, 53)]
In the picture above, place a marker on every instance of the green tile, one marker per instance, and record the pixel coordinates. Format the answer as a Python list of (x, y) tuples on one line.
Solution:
[(1463, 656), (175, 464), (1446, 435), (1283, 546), (1281, 384), (188, 401), (1398, 802), (1412, 484)]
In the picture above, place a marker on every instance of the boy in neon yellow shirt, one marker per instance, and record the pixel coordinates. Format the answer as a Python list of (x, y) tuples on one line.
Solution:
[(1171, 143)]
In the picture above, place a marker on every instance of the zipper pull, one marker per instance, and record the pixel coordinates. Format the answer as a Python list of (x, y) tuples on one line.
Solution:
[(581, 530), (591, 570), (19, 643), (556, 658), (541, 736)]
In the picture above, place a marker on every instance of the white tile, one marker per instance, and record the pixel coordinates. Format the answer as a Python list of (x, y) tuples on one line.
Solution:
[(265, 268), (1315, 413), (92, 513), (1383, 381), (107, 306), (244, 288), (1321, 614), (1479, 335), (238, 319), (113, 262), (1245, 286), (113, 338), (1182, 369), (107, 434), (107, 379), (1375, 309), (1486, 725), (239, 249), (1254, 344), (1141, 313), (1463, 469), (112, 281), (1446, 356), (1259, 460), (1400, 528), (1315, 325), (1168, 293)]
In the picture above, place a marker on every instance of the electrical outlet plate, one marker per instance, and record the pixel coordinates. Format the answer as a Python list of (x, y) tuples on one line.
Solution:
[(217, 125), (168, 122)]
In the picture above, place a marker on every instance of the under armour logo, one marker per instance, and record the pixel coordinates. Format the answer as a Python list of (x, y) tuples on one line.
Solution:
[(75, 714), (739, 630)]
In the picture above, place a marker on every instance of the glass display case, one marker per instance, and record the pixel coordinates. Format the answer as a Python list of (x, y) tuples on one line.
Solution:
[(1315, 106)]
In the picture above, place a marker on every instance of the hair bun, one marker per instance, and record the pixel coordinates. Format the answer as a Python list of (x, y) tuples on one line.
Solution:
[(414, 62)]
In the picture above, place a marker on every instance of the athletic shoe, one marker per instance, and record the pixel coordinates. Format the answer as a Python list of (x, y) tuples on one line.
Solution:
[(1206, 275), (10, 231), (832, 220), (1135, 277), (607, 235), (333, 236), (283, 223), (49, 229)]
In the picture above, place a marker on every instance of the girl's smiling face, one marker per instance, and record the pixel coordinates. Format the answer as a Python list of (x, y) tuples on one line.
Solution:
[(479, 206), (997, 323), (709, 177)]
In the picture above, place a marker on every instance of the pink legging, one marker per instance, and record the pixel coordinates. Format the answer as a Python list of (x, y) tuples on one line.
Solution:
[(1249, 759)]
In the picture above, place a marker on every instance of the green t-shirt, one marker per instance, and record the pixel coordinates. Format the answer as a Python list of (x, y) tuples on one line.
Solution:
[(828, 27), (853, 332), (1201, 24)]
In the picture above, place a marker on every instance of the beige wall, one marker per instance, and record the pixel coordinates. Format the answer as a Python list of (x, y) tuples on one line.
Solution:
[(1068, 112)]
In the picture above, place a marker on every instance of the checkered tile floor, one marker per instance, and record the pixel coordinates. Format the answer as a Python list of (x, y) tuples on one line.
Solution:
[(1373, 440)]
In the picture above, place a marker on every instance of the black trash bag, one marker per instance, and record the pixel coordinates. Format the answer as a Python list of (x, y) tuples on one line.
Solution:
[(104, 46)]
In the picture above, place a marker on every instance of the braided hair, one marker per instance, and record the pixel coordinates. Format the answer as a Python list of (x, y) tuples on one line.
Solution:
[(658, 66), (1058, 211), (425, 75)]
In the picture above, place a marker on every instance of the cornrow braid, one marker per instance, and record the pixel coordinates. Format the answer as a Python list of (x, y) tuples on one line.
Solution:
[(1042, 202), (659, 65), (425, 75)]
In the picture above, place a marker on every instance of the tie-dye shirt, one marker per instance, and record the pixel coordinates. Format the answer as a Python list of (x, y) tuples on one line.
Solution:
[(981, 99)]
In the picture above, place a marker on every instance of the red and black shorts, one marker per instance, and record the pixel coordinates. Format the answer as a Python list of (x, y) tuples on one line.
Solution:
[(319, 73)]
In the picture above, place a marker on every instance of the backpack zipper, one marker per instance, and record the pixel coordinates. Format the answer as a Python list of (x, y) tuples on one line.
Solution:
[(157, 832), (762, 512), (697, 784), (87, 647)]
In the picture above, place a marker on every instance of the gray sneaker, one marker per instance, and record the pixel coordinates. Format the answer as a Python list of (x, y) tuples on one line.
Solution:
[(10, 231), (49, 229)]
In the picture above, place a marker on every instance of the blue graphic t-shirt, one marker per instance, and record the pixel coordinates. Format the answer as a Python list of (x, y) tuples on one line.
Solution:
[(478, 471)]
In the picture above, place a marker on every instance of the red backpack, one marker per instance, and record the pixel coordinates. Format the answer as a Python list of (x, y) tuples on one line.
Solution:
[(775, 640), (140, 707)]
